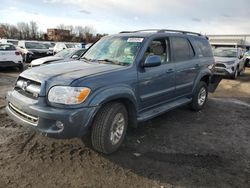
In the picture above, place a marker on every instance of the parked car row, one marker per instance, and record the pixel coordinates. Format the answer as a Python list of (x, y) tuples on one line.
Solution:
[(31, 50)]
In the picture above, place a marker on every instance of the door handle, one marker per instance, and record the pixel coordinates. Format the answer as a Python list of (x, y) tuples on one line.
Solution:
[(170, 71)]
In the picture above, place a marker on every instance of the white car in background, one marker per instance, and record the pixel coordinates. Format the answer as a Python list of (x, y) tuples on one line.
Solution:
[(12, 41), (10, 57), (64, 45), (69, 54)]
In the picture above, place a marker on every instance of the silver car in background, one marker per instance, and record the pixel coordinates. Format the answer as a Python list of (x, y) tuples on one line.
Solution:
[(229, 62)]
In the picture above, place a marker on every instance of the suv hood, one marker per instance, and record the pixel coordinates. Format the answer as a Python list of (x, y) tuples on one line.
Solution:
[(224, 59), (65, 73)]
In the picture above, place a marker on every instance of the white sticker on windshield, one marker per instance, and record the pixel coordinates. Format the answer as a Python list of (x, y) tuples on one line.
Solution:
[(135, 40)]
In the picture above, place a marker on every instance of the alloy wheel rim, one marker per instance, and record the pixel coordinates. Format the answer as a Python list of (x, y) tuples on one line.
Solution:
[(202, 96), (117, 128)]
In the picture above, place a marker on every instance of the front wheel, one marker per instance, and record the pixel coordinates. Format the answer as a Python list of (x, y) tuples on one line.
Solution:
[(200, 97), (109, 128), (235, 74)]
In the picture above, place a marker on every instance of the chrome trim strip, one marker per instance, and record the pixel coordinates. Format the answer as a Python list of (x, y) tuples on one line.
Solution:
[(24, 114)]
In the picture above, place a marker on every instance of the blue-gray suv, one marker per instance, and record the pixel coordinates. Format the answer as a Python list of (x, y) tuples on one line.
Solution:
[(121, 80)]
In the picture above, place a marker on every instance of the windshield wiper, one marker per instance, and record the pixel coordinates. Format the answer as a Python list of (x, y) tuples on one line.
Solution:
[(109, 61), (86, 59)]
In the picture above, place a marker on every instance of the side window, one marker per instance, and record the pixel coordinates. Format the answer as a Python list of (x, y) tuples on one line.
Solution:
[(203, 48), (182, 49), (158, 47)]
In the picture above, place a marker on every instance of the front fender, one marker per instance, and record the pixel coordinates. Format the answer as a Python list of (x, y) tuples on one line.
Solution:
[(112, 93)]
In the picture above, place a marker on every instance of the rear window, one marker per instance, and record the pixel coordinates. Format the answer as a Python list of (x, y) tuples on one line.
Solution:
[(34, 45), (7, 47), (203, 48), (182, 49), (13, 42)]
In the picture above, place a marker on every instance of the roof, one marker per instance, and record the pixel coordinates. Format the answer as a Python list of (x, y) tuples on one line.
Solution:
[(161, 32)]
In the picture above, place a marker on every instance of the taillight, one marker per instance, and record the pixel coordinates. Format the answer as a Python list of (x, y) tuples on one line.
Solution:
[(17, 53)]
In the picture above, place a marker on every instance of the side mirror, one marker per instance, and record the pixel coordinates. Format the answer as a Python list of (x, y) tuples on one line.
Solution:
[(240, 56), (74, 56), (152, 61)]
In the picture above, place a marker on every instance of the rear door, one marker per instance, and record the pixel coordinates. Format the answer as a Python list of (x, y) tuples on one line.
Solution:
[(157, 84), (186, 65)]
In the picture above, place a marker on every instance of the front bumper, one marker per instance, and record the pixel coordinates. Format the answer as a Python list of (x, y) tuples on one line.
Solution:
[(224, 71), (44, 119)]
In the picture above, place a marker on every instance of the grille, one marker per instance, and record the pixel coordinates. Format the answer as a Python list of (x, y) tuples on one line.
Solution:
[(220, 65), (23, 115), (27, 87)]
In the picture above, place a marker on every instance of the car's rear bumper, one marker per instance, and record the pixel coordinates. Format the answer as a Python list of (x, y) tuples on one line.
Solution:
[(10, 63), (49, 121)]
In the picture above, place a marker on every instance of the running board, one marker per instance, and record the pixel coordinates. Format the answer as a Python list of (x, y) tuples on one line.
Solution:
[(144, 116)]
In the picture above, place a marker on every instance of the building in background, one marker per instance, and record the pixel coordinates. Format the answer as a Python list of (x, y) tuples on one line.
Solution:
[(242, 41), (58, 34)]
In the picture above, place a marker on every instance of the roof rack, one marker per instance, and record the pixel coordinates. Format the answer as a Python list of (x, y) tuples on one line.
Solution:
[(163, 31)]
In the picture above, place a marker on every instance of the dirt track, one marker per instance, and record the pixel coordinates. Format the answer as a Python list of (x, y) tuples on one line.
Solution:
[(178, 149)]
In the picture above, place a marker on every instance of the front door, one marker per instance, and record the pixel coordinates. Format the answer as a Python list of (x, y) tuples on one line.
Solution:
[(157, 84)]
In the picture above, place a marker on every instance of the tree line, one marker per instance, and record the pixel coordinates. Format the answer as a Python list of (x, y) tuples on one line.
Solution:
[(31, 31)]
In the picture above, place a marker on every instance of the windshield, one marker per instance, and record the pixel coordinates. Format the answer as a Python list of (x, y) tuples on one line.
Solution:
[(114, 50), (34, 45), (65, 53), (221, 52)]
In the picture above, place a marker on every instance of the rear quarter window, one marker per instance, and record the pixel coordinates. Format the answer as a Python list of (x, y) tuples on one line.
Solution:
[(182, 49), (7, 47), (203, 48)]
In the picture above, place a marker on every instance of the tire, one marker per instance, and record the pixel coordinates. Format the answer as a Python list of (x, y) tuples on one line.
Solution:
[(247, 63), (103, 139), (20, 67), (235, 75), (243, 70), (200, 97)]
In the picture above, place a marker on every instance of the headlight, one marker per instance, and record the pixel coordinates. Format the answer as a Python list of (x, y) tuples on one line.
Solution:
[(68, 95)]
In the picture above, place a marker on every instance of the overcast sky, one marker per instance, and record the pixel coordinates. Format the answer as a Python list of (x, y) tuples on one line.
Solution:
[(112, 16)]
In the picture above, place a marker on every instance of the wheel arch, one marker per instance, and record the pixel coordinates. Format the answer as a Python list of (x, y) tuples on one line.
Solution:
[(123, 95)]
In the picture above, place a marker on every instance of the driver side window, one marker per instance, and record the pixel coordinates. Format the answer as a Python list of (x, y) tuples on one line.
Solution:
[(158, 47)]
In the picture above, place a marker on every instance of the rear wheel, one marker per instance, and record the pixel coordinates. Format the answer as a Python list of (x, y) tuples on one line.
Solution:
[(200, 96), (109, 128), (20, 67)]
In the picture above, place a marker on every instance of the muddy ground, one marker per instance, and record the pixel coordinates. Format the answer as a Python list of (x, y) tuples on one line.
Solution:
[(181, 148)]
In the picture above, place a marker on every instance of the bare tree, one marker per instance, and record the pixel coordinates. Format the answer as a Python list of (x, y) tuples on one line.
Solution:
[(33, 30)]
